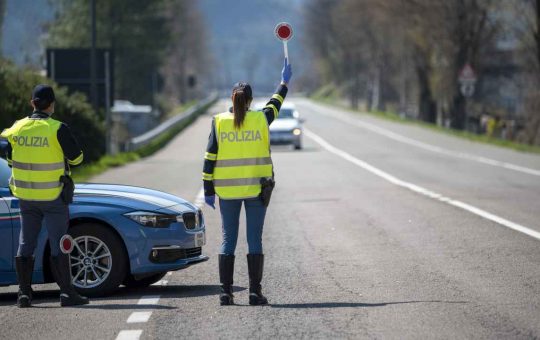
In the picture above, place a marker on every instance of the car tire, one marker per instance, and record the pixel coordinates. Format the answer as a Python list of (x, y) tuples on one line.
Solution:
[(131, 282), (298, 146), (117, 261)]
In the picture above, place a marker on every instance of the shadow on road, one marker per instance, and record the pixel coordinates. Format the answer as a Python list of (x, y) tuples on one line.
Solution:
[(169, 291), (353, 304), (177, 291), (9, 299), (95, 304)]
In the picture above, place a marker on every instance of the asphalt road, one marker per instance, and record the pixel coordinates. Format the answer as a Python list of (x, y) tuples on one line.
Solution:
[(376, 230)]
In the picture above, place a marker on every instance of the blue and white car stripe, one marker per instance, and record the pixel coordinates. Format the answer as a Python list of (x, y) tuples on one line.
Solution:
[(11, 213)]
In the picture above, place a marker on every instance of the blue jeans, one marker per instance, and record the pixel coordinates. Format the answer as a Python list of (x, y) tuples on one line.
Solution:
[(230, 219)]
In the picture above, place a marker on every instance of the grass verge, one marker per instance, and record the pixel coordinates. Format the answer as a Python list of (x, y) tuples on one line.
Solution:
[(456, 133)]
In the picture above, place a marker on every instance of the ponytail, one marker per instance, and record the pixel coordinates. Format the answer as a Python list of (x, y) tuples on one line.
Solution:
[(239, 108), (241, 97)]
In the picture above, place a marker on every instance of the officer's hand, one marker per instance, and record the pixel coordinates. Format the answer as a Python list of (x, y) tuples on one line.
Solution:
[(211, 201), (286, 73)]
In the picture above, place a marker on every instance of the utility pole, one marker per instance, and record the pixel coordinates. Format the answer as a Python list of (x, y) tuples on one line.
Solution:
[(93, 80)]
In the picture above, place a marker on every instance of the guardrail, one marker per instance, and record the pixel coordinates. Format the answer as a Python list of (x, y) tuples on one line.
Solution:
[(168, 125)]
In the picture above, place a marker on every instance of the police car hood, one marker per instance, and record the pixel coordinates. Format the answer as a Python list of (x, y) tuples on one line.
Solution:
[(285, 124), (130, 197)]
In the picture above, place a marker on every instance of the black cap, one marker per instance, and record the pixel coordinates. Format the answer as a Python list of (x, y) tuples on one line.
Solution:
[(43, 93), (244, 87)]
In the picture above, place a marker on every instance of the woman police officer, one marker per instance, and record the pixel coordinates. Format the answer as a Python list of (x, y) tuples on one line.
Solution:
[(236, 159)]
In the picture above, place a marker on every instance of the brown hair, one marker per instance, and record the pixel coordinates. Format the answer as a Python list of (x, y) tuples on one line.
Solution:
[(240, 97)]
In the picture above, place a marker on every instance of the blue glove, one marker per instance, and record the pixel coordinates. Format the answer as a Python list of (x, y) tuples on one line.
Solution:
[(286, 73), (211, 201)]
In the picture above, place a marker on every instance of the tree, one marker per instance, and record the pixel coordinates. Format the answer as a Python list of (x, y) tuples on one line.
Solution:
[(349, 40), (2, 13), (320, 33), (527, 30), (187, 55), (16, 86), (136, 31)]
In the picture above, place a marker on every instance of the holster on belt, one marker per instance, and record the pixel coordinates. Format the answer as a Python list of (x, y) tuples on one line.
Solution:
[(267, 185), (68, 189)]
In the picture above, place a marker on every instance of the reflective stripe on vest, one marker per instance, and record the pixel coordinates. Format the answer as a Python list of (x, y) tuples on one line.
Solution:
[(37, 159), (38, 167), (243, 156), (237, 181), (243, 161), (34, 185)]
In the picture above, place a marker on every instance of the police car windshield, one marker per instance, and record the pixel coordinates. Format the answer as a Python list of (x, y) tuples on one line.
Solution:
[(285, 114), (5, 173)]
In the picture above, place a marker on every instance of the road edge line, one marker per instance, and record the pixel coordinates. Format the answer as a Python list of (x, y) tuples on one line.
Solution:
[(418, 189), (436, 149)]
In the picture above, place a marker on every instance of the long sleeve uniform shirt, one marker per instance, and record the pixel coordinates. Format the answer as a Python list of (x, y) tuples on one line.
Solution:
[(72, 151), (271, 111)]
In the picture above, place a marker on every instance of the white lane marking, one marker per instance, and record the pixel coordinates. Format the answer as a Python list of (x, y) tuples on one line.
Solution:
[(199, 199), (169, 273), (432, 148), (420, 190), (161, 283), (130, 334), (139, 317), (149, 300)]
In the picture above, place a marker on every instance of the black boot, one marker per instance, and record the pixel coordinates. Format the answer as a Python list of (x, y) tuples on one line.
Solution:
[(255, 270), (62, 273), (25, 268), (226, 272)]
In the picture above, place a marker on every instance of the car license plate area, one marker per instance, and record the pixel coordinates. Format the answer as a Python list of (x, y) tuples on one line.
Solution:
[(280, 136), (173, 255)]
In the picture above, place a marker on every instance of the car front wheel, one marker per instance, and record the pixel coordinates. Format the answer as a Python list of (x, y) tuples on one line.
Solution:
[(98, 261)]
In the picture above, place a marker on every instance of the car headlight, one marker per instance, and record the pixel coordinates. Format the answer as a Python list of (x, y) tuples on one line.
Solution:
[(152, 220), (297, 132)]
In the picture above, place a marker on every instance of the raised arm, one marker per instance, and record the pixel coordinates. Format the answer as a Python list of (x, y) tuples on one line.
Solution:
[(271, 110)]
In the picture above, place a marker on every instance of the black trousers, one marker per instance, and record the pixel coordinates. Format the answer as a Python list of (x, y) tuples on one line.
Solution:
[(55, 216)]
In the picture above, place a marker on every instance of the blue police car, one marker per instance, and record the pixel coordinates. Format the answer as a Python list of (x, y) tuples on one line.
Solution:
[(123, 235)]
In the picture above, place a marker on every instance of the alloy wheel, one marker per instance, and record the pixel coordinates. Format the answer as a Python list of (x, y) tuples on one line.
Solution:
[(90, 262)]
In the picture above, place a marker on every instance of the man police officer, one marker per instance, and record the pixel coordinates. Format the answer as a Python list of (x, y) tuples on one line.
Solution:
[(41, 151)]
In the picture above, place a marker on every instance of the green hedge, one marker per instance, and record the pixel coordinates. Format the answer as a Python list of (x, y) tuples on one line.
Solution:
[(16, 86)]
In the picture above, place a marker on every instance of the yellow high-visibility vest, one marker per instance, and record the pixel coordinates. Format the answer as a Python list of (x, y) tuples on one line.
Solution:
[(243, 156), (37, 159)]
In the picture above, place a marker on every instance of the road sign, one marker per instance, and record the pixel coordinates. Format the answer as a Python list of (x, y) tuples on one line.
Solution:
[(467, 79), (467, 74), (70, 67), (467, 89), (284, 32)]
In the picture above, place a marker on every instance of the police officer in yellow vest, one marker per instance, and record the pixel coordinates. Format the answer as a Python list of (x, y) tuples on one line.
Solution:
[(237, 159), (40, 151)]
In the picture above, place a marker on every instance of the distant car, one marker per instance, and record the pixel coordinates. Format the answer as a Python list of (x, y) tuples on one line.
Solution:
[(123, 235), (287, 128)]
